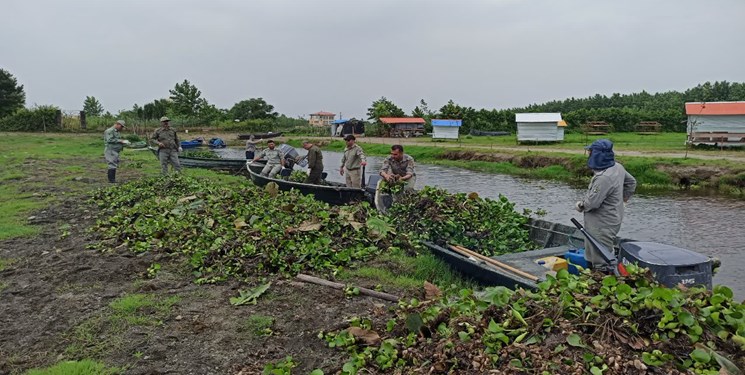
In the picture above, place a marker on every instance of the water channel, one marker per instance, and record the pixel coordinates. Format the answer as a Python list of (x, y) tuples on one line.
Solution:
[(713, 226)]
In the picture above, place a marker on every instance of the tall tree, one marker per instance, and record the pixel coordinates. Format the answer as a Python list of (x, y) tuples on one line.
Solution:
[(384, 108), (92, 106), (254, 108), (451, 111), (186, 99), (12, 96), (157, 108)]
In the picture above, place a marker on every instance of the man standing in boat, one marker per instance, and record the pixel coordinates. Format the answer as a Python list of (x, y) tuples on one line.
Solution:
[(315, 163), (275, 159), (353, 161), (168, 146), (113, 146), (399, 167), (603, 204), (250, 148)]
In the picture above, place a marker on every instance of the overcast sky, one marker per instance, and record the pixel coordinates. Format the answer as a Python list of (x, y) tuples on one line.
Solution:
[(304, 56)]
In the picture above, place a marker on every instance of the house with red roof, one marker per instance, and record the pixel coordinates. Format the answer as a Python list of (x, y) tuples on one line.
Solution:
[(716, 123), (404, 126), (321, 118)]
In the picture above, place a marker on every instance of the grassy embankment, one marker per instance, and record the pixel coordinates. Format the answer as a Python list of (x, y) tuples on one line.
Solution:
[(655, 168)]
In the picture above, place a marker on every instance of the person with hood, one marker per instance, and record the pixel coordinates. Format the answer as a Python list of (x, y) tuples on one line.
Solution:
[(603, 204)]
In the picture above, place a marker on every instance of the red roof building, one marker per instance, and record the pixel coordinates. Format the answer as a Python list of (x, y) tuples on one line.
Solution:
[(404, 126), (717, 123), (715, 108), (321, 118)]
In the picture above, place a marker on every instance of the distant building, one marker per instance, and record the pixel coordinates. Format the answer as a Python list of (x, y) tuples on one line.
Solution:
[(445, 129), (540, 127), (343, 127), (321, 118), (404, 126), (720, 123)]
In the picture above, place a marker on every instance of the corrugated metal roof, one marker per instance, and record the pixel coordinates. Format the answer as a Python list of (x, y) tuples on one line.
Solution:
[(537, 117), (324, 114), (441, 122), (340, 121), (402, 120), (715, 108)]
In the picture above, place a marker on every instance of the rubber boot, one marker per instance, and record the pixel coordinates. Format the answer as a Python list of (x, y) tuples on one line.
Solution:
[(112, 175)]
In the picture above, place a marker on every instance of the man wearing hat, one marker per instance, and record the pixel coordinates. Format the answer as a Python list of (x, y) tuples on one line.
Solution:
[(603, 204), (315, 162), (275, 159), (353, 161), (168, 146), (113, 146)]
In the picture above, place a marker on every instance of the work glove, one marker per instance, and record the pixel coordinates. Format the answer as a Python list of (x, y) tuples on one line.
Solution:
[(579, 206), (125, 141), (180, 149)]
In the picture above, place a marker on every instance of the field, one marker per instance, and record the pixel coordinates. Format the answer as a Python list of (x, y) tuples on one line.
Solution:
[(196, 274)]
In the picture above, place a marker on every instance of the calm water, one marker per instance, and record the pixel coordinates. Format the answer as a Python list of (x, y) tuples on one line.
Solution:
[(713, 226)]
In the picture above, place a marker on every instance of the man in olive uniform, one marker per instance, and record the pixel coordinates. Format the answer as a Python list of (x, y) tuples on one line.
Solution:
[(275, 159), (353, 161), (399, 167), (603, 204), (113, 146), (315, 163), (168, 146)]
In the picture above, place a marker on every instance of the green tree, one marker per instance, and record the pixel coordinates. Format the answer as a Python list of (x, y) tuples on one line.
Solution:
[(187, 100), (252, 109), (156, 109), (12, 96), (92, 106), (384, 108)]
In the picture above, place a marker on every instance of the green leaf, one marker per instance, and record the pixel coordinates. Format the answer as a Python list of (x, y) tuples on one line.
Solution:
[(700, 356), (686, 318), (575, 340), (316, 372), (250, 296)]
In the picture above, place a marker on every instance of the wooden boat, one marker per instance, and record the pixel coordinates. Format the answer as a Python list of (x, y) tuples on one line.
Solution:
[(194, 143), (231, 165), (260, 135), (482, 133), (334, 193), (553, 239)]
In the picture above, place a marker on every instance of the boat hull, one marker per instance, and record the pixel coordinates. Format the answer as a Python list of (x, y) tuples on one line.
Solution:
[(260, 136), (231, 165), (334, 194)]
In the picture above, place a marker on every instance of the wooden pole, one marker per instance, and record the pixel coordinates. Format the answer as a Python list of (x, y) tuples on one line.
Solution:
[(331, 284), (465, 251)]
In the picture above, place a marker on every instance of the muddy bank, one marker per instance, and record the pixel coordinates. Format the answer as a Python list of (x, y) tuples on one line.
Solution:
[(706, 176)]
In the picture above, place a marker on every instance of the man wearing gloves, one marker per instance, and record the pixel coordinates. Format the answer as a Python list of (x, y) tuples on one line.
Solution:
[(610, 188), (113, 146), (168, 146)]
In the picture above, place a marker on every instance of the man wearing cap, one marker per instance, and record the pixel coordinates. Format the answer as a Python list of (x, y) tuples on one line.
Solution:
[(275, 159), (399, 167), (113, 146), (315, 163), (168, 146), (352, 161), (603, 204)]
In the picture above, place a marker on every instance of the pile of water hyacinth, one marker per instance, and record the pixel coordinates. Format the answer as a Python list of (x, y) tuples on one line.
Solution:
[(244, 230)]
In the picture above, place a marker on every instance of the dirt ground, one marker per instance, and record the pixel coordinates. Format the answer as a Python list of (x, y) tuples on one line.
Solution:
[(55, 296)]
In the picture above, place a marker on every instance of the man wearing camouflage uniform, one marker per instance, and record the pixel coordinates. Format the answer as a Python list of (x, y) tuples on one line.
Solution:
[(603, 204), (399, 167), (275, 160), (168, 146), (353, 161), (113, 146)]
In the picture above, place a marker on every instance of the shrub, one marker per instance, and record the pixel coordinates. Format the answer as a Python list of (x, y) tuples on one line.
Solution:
[(42, 118)]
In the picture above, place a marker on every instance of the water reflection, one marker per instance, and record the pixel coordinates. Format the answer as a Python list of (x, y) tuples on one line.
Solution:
[(710, 225)]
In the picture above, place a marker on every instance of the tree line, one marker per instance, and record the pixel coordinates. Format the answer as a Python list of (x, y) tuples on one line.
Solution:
[(185, 103)]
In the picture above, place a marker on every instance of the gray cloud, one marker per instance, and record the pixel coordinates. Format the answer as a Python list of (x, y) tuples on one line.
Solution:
[(304, 56)]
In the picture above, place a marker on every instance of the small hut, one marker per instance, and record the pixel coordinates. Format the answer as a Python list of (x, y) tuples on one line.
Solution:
[(347, 126), (719, 123), (540, 127), (404, 126), (445, 129)]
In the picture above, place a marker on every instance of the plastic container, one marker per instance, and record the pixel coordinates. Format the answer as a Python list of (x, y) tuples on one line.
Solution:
[(553, 263), (575, 257)]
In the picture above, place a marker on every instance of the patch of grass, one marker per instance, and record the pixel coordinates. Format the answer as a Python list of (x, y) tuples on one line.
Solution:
[(93, 338), (141, 309), (15, 208), (3, 286), (409, 273), (258, 325), (6, 262), (84, 367)]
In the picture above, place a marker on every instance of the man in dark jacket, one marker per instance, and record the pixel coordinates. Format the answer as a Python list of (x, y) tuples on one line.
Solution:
[(603, 204), (315, 163)]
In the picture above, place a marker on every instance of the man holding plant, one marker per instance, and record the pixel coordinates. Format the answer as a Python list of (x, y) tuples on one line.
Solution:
[(399, 167), (113, 146)]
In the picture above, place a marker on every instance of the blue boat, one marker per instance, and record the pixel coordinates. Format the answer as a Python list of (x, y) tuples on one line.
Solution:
[(194, 143)]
